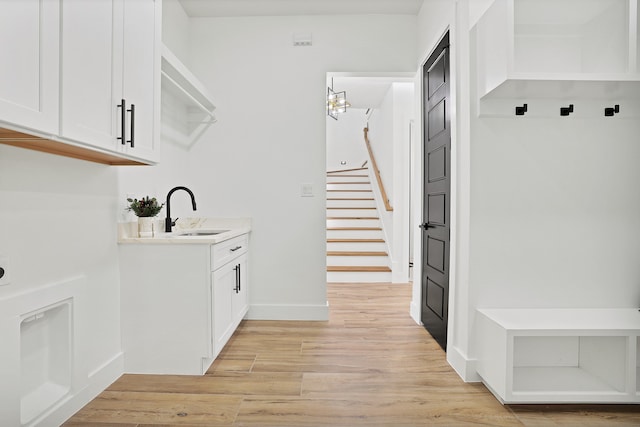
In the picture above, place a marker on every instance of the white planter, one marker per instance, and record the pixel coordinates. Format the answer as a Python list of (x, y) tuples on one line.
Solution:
[(146, 226)]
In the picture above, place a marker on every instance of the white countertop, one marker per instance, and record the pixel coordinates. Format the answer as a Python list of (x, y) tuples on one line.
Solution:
[(128, 232)]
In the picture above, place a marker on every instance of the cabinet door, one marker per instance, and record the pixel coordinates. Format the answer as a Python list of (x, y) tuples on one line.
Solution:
[(239, 300), (141, 75), (224, 284), (91, 71), (29, 44)]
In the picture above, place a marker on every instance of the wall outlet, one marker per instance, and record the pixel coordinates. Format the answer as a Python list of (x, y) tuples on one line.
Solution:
[(5, 278)]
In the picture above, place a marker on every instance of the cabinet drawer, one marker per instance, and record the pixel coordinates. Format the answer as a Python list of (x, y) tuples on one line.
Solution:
[(224, 252)]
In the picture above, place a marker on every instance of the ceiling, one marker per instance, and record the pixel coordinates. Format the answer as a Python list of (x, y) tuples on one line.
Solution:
[(227, 8), (366, 92)]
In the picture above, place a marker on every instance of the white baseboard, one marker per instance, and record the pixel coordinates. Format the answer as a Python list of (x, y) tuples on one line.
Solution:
[(414, 312), (466, 368), (288, 312), (98, 381)]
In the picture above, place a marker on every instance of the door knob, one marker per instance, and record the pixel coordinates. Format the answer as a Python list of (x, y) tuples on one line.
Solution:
[(426, 225)]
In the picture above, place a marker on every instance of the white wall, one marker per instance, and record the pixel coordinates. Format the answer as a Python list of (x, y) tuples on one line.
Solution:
[(270, 139), (555, 213), (403, 114), (345, 140), (381, 134), (390, 139), (175, 29)]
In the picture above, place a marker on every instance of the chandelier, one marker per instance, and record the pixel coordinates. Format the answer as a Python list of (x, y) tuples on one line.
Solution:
[(336, 102)]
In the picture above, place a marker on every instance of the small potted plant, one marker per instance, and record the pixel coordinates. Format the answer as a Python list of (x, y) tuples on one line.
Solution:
[(145, 209)]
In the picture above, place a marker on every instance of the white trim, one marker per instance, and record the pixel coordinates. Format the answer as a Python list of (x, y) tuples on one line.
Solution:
[(98, 381), (465, 367), (288, 312), (414, 312)]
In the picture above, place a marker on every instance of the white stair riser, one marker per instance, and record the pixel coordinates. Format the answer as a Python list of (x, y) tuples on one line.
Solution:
[(354, 234), (355, 277), (353, 223), (356, 246), (352, 212), (358, 260), (350, 194), (351, 203), (357, 185), (348, 178)]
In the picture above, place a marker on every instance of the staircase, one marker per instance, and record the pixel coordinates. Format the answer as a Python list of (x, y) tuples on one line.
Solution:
[(356, 250)]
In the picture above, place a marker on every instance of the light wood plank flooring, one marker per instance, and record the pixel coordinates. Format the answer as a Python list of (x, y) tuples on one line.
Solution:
[(370, 364)]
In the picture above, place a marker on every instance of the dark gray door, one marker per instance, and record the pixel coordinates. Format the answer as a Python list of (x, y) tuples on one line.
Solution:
[(437, 189)]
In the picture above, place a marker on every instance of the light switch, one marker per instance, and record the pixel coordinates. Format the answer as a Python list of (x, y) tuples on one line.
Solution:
[(306, 190)]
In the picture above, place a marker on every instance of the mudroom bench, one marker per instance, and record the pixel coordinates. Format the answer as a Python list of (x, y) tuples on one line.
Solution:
[(560, 355)]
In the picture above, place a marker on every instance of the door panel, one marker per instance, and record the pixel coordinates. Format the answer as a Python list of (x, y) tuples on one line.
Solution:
[(435, 298), (437, 119), (436, 198), (29, 74), (437, 164), (91, 89), (436, 209)]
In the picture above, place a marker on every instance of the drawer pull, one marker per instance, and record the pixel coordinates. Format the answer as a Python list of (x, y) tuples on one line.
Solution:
[(236, 248)]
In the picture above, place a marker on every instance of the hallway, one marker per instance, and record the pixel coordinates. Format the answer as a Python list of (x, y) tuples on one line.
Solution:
[(370, 364)]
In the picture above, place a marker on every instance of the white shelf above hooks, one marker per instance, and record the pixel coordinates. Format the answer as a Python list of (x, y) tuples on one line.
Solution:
[(187, 108)]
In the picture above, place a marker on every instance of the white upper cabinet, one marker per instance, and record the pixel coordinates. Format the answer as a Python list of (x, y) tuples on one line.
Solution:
[(110, 74), (29, 72), (141, 75), (553, 48), (91, 58)]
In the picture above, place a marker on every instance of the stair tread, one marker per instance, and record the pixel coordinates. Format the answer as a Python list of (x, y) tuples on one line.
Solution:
[(363, 268), (355, 207), (354, 228), (348, 198), (357, 253), (355, 240), (349, 182), (353, 217), (363, 168)]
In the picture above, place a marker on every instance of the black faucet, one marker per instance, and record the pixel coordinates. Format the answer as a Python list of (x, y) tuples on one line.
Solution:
[(168, 223)]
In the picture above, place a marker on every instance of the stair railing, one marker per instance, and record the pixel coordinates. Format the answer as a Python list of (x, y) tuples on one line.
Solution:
[(376, 171)]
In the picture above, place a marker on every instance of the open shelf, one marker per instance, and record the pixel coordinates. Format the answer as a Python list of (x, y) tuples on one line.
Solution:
[(571, 36), (187, 108), (569, 364), (559, 355), (523, 44)]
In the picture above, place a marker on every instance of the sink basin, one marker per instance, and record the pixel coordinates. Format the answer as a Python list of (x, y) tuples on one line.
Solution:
[(202, 233)]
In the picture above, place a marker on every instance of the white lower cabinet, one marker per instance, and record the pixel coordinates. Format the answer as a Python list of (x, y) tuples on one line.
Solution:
[(179, 303), (559, 355), (229, 290)]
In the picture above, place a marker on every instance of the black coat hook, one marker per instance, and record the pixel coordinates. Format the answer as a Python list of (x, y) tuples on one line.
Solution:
[(521, 110), (610, 111), (565, 111)]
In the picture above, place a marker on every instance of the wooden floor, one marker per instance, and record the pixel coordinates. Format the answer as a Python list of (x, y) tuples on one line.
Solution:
[(370, 364)]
